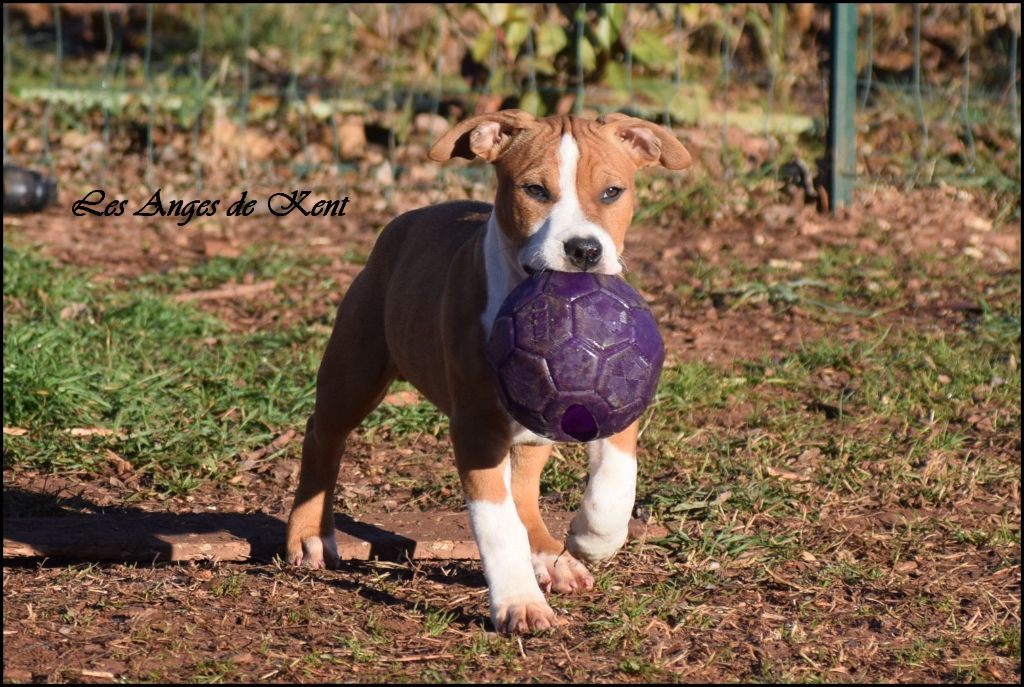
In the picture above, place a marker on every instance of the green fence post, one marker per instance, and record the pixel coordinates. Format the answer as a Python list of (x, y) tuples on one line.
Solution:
[(842, 136)]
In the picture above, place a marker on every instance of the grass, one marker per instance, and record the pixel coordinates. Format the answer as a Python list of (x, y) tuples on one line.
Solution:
[(698, 199), (286, 267), (180, 394), (876, 383), (436, 621), (413, 418), (230, 585)]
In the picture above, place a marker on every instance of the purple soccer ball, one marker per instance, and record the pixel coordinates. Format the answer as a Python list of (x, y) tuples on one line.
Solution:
[(577, 355)]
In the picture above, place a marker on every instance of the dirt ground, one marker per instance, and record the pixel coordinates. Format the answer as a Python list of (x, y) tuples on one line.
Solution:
[(426, 621)]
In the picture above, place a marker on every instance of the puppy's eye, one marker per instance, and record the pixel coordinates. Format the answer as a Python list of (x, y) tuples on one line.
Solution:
[(611, 194), (536, 191)]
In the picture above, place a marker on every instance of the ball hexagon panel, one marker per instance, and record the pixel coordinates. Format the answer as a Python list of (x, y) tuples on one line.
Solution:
[(571, 289), (526, 379), (573, 365), (623, 291), (624, 377), (623, 417), (525, 292), (542, 324), (502, 340), (601, 320), (646, 338)]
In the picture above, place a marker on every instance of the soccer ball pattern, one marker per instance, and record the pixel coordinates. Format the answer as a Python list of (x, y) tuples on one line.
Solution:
[(578, 355)]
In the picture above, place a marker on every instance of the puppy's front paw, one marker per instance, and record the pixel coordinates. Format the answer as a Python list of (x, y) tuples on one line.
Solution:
[(314, 551), (561, 573), (592, 547), (522, 617)]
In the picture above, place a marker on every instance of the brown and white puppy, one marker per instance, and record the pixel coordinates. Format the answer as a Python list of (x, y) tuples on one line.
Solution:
[(422, 310)]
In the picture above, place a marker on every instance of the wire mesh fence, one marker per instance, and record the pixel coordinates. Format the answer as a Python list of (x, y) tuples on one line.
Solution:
[(335, 97)]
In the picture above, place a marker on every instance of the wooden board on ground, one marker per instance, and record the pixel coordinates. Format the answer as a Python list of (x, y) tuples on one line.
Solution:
[(151, 537)]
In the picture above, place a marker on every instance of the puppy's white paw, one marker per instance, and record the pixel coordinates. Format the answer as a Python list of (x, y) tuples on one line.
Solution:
[(595, 547), (317, 551), (524, 616), (561, 573)]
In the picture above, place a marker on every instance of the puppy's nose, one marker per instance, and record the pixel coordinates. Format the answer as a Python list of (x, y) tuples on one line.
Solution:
[(583, 252)]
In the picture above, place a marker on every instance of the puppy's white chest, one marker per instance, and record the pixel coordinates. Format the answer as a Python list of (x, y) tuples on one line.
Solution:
[(503, 272)]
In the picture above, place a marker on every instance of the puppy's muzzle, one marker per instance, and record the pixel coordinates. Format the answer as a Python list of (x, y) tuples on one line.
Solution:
[(583, 252)]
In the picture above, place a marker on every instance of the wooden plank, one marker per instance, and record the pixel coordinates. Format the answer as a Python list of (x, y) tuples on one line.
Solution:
[(151, 537)]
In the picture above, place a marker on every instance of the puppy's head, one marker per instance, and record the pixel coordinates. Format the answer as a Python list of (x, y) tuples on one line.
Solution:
[(565, 185)]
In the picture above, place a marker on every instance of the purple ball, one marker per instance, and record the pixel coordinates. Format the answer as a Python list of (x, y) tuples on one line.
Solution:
[(577, 355)]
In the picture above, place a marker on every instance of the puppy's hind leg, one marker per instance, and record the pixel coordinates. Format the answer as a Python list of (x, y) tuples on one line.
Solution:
[(354, 375)]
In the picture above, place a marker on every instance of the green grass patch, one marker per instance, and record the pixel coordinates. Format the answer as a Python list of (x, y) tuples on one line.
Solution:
[(285, 266), (413, 418), (895, 413), (180, 393)]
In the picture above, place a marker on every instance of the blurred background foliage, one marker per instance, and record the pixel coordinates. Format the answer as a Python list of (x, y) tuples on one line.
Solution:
[(938, 97)]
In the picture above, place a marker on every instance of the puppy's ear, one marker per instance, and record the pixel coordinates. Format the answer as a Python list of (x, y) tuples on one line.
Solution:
[(486, 136), (647, 143)]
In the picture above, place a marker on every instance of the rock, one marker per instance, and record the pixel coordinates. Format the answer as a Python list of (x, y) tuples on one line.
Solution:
[(351, 136), (978, 223), (981, 392), (427, 123), (27, 191)]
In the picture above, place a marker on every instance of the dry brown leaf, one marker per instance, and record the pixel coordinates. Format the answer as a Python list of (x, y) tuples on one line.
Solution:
[(122, 466), (402, 398), (92, 432), (103, 674), (905, 566), (227, 292), (281, 441), (216, 248), (72, 311), (787, 474)]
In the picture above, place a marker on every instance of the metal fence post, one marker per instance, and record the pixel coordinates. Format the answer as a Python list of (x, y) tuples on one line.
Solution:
[(842, 136)]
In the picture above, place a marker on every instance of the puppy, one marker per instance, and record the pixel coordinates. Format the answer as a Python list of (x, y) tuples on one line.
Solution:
[(422, 311)]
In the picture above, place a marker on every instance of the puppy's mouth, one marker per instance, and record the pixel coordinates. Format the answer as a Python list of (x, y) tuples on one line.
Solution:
[(566, 267)]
